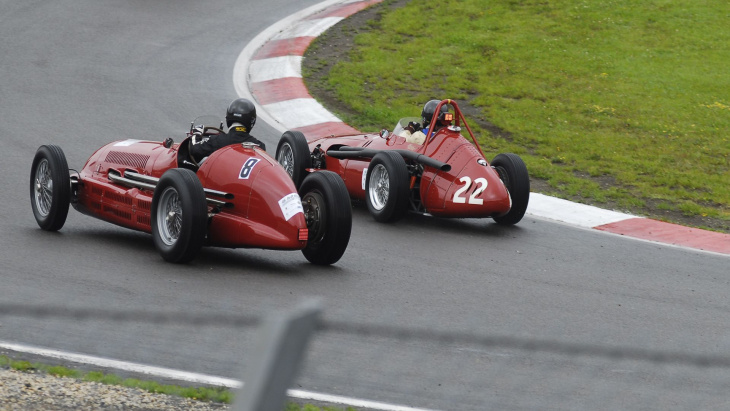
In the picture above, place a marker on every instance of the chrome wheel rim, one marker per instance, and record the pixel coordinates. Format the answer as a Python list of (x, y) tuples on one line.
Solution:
[(43, 188), (169, 216), (379, 187), (286, 158)]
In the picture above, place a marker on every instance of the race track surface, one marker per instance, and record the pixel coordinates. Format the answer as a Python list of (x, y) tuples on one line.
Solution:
[(541, 315)]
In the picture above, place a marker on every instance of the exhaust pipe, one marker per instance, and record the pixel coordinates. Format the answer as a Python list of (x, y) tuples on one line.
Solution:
[(153, 180), (362, 152), (136, 180)]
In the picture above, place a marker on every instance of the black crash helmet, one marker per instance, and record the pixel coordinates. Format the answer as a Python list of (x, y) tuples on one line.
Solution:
[(429, 108), (241, 111)]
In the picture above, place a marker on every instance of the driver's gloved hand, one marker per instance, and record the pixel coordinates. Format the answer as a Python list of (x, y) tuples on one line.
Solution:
[(413, 127)]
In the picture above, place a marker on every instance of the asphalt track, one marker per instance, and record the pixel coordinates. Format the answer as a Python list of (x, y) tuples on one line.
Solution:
[(81, 73)]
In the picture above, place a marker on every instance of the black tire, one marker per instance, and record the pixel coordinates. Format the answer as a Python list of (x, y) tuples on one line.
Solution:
[(293, 154), (50, 188), (179, 215), (387, 187), (513, 172), (328, 213)]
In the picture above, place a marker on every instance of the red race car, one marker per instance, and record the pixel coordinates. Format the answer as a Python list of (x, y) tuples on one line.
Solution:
[(446, 176), (238, 197)]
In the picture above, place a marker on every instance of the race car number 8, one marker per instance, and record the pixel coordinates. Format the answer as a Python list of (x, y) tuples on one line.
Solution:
[(247, 168), (481, 183)]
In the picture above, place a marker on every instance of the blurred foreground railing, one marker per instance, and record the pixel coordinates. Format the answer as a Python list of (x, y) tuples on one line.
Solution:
[(282, 339)]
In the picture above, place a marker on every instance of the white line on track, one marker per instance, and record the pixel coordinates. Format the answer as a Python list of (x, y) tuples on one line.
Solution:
[(197, 378)]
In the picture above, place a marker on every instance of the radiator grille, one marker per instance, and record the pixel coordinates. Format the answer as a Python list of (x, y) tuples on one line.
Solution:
[(119, 198), (127, 159), (144, 205), (118, 213), (144, 220)]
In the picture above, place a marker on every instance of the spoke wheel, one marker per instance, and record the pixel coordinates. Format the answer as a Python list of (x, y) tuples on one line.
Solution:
[(285, 157), (379, 187), (179, 215), (386, 187), (43, 188), (293, 154), (50, 188), (169, 216)]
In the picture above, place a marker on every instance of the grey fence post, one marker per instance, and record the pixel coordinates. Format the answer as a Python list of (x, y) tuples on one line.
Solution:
[(276, 357)]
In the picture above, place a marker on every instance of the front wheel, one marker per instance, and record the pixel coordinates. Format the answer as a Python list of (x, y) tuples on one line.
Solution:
[(50, 188), (293, 154), (179, 215), (386, 187), (513, 172), (328, 213)]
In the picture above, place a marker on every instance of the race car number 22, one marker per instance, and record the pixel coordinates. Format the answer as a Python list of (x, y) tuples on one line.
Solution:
[(481, 184)]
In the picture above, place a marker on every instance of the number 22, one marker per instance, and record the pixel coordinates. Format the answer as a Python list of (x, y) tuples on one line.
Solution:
[(482, 185)]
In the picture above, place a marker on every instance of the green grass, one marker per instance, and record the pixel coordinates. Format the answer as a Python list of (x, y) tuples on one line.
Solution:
[(618, 102), (220, 395)]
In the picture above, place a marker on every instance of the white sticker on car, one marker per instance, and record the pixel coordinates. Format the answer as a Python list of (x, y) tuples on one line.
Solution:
[(364, 177), (290, 205), (126, 143), (247, 168)]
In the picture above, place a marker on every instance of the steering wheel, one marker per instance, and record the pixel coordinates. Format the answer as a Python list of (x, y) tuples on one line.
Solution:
[(205, 132), (206, 128)]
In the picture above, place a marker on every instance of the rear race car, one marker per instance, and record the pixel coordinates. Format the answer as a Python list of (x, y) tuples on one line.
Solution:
[(446, 176)]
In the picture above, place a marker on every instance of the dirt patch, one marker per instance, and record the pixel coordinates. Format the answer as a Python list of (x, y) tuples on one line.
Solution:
[(334, 46)]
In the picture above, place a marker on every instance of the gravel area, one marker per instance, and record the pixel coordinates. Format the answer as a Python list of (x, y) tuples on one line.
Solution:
[(40, 391)]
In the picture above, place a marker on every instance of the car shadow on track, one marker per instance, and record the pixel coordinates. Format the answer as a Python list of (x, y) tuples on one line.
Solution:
[(257, 261), (469, 226), (242, 261)]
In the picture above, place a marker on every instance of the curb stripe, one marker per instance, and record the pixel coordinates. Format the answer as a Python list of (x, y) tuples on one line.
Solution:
[(284, 47), (574, 213), (280, 89), (345, 10), (334, 128), (308, 28), (275, 68), (301, 112), (654, 230)]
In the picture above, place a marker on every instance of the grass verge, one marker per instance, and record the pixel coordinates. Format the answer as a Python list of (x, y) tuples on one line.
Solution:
[(614, 103)]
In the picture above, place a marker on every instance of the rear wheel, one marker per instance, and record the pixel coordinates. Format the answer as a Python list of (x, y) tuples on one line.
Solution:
[(50, 188), (513, 172), (179, 215), (293, 154), (328, 213), (386, 187)]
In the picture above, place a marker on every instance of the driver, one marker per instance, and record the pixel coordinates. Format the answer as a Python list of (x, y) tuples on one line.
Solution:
[(240, 118), (414, 132)]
